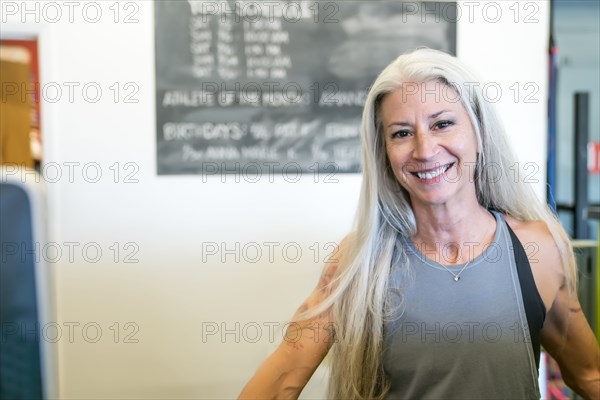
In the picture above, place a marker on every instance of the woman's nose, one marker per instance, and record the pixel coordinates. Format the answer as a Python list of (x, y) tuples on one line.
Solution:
[(425, 146)]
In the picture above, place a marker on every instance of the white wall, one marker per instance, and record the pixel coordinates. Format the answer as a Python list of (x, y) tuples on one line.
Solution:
[(171, 294)]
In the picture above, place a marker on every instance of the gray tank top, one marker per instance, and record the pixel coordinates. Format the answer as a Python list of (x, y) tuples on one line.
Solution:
[(465, 339)]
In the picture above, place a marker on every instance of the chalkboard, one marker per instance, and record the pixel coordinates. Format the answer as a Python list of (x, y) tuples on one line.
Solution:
[(277, 86)]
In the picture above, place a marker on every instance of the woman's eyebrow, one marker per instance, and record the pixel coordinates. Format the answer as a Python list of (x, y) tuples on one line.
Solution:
[(437, 114), (432, 116), (398, 123)]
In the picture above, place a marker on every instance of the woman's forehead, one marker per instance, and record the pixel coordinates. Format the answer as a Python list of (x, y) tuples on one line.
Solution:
[(426, 90), (430, 94)]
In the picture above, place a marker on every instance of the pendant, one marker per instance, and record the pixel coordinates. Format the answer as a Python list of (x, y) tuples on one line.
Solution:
[(456, 278)]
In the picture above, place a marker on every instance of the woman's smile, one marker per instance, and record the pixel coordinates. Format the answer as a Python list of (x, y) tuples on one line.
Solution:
[(432, 175)]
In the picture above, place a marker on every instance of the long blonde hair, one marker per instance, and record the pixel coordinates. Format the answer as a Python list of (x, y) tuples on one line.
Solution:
[(358, 302)]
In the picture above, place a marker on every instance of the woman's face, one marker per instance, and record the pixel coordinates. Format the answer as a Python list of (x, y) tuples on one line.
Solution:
[(430, 143)]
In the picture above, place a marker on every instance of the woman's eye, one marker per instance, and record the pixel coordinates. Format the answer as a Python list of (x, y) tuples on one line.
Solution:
[(443, 124), (400, 134)]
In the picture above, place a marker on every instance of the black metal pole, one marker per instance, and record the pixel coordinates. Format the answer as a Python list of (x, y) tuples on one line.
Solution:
[(582, 103)]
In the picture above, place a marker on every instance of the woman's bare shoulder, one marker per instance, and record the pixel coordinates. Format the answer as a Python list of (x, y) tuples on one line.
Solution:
[(533, 233), (335, 262), (543, 254)]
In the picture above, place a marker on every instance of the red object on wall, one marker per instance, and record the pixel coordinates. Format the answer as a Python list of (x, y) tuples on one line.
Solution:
[(593, 156)]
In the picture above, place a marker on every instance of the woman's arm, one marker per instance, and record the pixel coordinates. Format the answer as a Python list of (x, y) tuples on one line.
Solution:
[(306, 342), (285, 372), (567, 336)]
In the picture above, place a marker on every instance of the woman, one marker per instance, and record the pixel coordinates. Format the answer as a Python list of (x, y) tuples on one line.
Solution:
[(433, 295)]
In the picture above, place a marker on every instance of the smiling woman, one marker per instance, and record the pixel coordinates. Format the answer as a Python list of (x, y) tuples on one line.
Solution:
[(432, 295)]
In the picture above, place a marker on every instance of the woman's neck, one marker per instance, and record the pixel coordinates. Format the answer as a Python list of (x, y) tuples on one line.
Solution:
[(460, 233)]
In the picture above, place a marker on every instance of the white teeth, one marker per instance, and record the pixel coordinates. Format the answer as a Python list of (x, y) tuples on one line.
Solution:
[(432, 174)]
